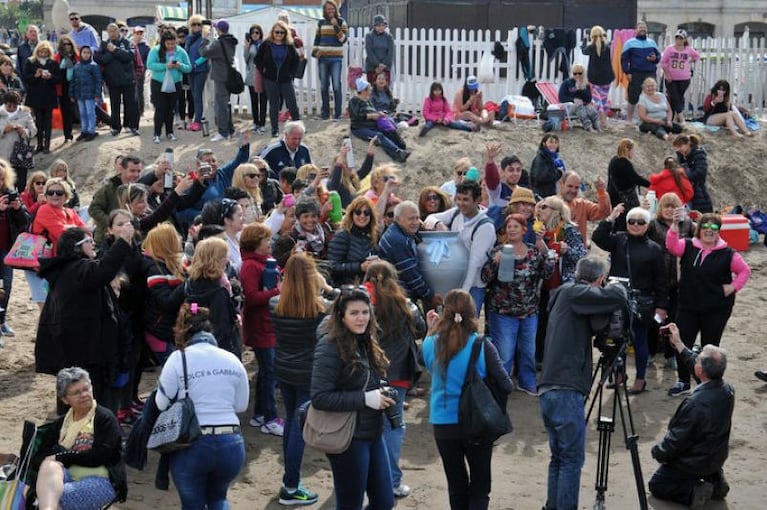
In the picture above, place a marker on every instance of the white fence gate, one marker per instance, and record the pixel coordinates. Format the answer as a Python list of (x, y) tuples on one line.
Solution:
[(448, 56)]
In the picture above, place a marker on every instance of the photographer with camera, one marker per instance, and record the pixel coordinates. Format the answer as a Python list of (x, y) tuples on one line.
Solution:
[(635, 256), (447, 351), (566, 376), (697, 442)]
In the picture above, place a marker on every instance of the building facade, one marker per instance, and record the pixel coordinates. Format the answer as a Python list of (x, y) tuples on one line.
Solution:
[(705, 18)]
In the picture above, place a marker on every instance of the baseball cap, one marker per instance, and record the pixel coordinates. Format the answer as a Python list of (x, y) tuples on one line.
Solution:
[(222, 25), (681, 33), (361, 84), (472, 83), (138, 29), (379, 19)]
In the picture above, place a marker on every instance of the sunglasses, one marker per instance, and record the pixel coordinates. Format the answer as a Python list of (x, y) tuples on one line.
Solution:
[(278, 32), (460, 174), (252, 176), (639, 222), (196, 24), (39, 183), (710, 226), (256, 32), (74, 19), (432, 197), (84, 240), (67, 44), (360, 212), (56, 192), (577, 74)]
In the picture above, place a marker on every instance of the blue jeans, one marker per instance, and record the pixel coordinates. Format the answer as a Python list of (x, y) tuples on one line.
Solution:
[(6, 273), (265, 405), (363, 467), (87, 108), (565, 421), (197, 85), (292, 438), (330, 69), (478, 294), (454, 124), (389, 147), (515, 337), (641, 348), (203, 471), (393, 439)]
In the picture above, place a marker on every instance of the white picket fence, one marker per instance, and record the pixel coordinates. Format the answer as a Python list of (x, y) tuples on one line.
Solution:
[(448, 56)]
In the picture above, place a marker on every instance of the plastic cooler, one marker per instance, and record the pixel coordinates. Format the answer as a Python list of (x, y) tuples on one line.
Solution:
[(735, 231)]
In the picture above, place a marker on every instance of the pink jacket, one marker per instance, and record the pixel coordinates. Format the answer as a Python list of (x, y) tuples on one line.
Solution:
[(677, 65), (738, 266), (436, 110)]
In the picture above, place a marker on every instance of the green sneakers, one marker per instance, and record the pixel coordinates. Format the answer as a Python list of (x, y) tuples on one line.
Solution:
[(299, 497)]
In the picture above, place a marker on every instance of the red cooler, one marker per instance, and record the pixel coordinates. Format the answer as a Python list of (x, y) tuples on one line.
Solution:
[(735, 231)]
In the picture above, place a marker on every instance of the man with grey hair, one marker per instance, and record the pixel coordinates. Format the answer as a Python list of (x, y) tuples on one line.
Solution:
[(289, 151), (398, 246), (697, 442), (566, 376)]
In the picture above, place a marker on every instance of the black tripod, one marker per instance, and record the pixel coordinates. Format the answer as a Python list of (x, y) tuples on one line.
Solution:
[(611, 362)]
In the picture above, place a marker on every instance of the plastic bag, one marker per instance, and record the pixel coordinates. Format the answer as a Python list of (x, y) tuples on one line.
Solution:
[(168, 85), (486, 74)]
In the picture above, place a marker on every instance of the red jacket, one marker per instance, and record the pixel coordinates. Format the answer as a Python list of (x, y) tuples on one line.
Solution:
[(257, 329), (663, 182), (30, 202)]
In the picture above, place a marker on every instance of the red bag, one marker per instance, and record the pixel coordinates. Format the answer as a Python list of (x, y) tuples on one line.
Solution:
[(258, 81)]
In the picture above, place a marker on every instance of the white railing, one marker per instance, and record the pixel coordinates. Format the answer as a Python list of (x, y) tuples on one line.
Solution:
[(448, 56)]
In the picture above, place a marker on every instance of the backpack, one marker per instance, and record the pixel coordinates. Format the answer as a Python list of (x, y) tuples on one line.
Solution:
[(234, 82), (481, 222)]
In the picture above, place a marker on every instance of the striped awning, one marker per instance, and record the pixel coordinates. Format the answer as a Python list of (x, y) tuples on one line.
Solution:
[(312, 11), (170, 13)]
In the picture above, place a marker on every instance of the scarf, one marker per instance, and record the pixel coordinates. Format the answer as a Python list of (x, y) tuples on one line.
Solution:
[(78, 435), (314, 240)]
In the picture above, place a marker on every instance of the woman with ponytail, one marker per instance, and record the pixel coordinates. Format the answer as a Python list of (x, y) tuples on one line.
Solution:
[(446, 354), (400, 323), (671, 179), (600, 71)]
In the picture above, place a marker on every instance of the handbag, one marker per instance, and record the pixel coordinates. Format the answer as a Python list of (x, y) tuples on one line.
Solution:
[(168, 85), (22, 155), (26, 251), (177, 427), (481, 417), (234, 82), (258, 81), (386, 124), (301, 68), (330, 431)]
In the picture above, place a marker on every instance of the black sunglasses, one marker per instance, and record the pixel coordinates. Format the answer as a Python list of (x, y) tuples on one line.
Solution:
[(639, 222), (57, 192), (577, 74), (252, 176), (74, 19), (196, 24), (278, 32), (366, 212), (432, 197)]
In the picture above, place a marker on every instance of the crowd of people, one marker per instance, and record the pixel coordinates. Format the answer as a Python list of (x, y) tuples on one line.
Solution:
[(320, 277)]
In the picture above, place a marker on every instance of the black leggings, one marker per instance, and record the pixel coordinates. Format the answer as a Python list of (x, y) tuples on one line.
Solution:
[(43, 119), (710, 325), (164, 104), (675, 91), (467, 488), (258, 104)]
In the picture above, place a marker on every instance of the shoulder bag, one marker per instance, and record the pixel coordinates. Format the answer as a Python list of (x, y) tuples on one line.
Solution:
[(234, 82), (176, 427), (27, 250), (479, 414), (330, 431)]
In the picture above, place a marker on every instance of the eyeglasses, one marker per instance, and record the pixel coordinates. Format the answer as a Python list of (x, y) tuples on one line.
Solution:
[(252, 176), (432, 197), (39, 183), (360, 212), (84, 240), (577, 73), (81, 391), (278, 32), (639, 222), (710, 226), (56, 192)]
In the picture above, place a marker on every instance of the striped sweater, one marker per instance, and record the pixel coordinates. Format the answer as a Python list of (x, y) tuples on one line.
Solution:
[(329, 40)]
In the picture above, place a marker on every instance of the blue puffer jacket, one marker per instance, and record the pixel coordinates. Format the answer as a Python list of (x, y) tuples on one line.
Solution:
[(86, 81)]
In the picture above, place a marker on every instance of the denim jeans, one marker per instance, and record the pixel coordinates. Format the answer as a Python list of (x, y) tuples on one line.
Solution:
[(363, 467), (265, 404), (87, 108), (478, 294), (393, 439), (565, 421), (454, 124), (197, 85), (292, 439), (203, 471), (514, 337), (641, 348), (389, 147), (6, 273), (330, 69)]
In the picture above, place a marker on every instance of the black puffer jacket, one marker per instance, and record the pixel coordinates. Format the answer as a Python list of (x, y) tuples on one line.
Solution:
[(347, 251), (397, 345), (118, 64), (164, 297), (339, 387), (284, 73), (698, 437), (294, 354)]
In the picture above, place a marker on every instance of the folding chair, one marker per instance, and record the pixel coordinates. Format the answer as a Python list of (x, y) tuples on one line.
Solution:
[(550, 93)]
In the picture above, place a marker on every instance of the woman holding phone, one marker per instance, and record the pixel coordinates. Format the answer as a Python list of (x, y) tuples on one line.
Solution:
[(166, 57)]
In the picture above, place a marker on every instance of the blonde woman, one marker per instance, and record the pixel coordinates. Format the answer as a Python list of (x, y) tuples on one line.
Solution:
[(33, 195), (247, 177), (577, 89), (600, 72), (40, 77), (60, 168), (460, 168), (277, 59)]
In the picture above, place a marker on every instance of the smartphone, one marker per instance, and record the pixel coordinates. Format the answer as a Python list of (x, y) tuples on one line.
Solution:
[(440, 309), (205, 171)]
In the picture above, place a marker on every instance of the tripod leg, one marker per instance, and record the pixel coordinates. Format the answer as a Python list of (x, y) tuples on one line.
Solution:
[(632, 445)]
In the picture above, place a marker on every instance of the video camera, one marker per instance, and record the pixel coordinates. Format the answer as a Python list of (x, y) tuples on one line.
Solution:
[(611, 332)]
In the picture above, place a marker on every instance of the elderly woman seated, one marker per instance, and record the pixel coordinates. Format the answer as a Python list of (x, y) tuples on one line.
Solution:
[(81, 452)]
